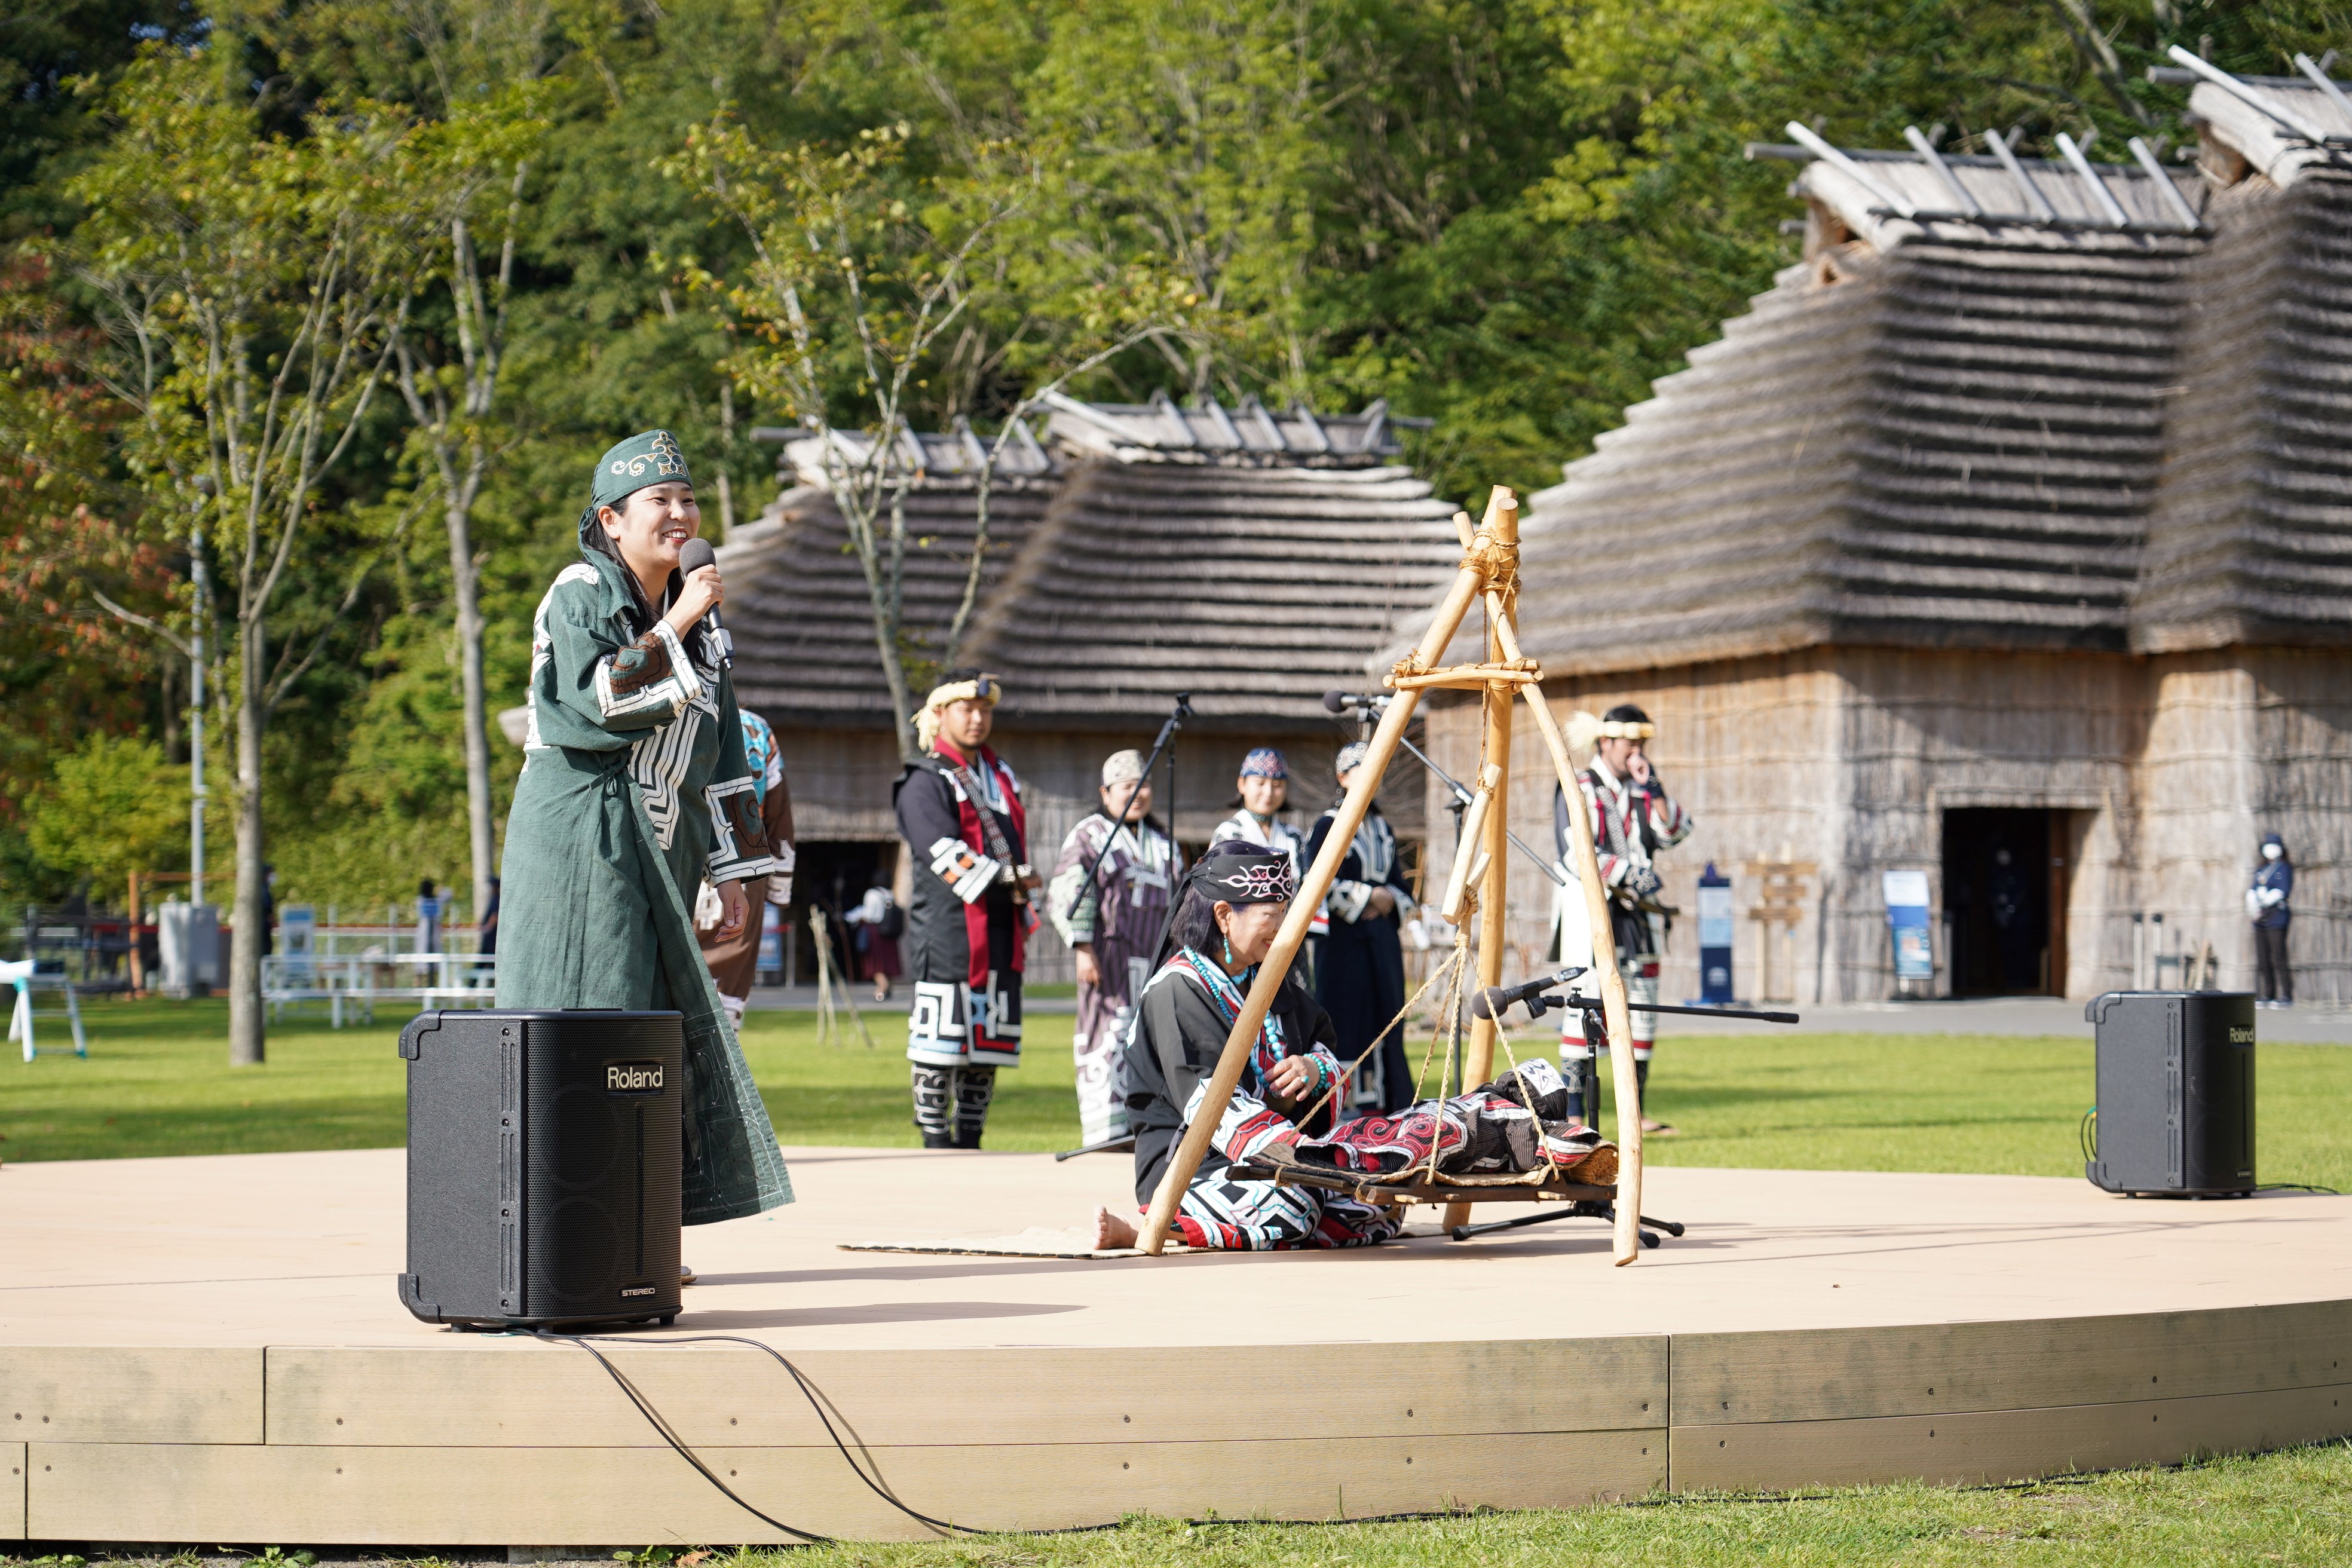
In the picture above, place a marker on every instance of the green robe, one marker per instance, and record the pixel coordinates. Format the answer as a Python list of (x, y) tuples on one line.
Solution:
[(634, 789)]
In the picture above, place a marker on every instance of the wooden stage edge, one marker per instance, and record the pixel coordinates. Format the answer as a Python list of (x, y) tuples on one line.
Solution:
[(209, 1351)]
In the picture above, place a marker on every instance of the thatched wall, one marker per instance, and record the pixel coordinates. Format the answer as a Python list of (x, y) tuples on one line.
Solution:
[(842, 779), (2168, 769)]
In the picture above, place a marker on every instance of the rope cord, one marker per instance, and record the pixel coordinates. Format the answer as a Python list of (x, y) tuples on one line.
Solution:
[(1348, 1071), (671, 1437)]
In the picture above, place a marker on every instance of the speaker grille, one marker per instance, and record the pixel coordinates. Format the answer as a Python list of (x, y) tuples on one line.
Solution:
[(601, 1175)]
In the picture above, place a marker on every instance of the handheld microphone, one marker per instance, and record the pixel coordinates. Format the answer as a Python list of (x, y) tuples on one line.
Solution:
[(1337, 701), (1495, 1000), (693, 556)]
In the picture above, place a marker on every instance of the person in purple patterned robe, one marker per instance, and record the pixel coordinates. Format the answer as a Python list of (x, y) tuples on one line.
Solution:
[(1112, 925)]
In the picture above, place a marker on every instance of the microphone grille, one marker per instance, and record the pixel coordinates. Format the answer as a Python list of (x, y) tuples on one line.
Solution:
[(1335, 700), (695, 554)]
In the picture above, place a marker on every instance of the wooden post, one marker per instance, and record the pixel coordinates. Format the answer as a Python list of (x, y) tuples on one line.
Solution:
[(1612, 987), (1185, 1159), (1628, 1234), (1478, 1058), (138, 974)]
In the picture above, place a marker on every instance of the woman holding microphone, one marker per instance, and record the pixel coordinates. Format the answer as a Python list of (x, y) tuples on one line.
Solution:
[(634, 789)]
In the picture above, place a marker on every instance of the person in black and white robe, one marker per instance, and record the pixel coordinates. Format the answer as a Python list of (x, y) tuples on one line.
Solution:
[(1359, 972)]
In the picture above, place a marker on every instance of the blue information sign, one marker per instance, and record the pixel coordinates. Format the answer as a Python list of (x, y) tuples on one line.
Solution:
[(1715, 938), (1906, 917)]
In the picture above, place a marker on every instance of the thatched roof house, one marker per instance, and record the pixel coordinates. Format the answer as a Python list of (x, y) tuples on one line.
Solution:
[(1251, 558), (2018, 516)]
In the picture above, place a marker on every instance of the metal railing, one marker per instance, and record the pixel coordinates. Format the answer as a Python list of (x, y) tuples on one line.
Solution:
[(351, 985)]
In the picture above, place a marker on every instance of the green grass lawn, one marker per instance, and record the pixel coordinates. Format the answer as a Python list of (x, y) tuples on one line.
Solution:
[(2289, 1508), (157, 1083)]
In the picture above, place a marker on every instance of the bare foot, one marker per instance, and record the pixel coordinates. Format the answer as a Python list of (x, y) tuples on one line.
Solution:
[(1661, 1129), (1112, 1231)]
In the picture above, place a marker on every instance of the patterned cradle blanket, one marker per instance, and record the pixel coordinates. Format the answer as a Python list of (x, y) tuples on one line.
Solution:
[(1512, 1130)]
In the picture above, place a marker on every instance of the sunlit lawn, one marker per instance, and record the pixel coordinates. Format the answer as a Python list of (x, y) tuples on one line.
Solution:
[(157, 1082), (2289, 1508)]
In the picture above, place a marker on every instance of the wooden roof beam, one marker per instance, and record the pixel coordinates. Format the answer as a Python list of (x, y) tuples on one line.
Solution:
[(2190, 223), (1306, 415), (2260, 102), (1926, 148), (1063, 403), (1228, 436), (1167, 408), (1848, 167), (2116, 216), (2325, 83), (2033, 196)]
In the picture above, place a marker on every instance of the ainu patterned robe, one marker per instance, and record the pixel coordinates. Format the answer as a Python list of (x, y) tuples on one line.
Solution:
[(634, 789), (1120, 917), (966, 937), (1516, 1123), (1187, 1010), (1359, 971), (1630, 822)]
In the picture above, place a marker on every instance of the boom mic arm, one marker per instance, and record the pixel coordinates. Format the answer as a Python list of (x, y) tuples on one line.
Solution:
[(1495, 1000)]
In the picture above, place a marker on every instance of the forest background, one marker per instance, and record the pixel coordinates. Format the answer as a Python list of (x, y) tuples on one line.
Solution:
[(1507, 216)]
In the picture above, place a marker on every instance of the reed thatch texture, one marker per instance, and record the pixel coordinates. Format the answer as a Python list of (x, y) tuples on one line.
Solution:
[(2166, 772), (1255, 588), (1249, 558), (1971, 514), (2250, 538), (798, 607)]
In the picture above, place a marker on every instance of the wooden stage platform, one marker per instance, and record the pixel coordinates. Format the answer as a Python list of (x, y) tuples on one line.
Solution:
[(209, 1350)]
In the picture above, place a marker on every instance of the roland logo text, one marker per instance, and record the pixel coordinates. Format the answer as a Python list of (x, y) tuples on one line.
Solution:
[(2241, 1036), (633, 1077)]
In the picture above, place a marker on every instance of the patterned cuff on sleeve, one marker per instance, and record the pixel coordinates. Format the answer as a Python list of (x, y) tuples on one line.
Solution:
[(651, 674), (1347, 899), (739, 838)]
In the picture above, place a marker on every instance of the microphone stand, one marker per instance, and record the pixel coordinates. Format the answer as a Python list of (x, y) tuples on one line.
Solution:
[(1167, 743), (1462, 796)]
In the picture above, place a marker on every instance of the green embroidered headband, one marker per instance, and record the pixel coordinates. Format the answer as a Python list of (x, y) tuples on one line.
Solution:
[(648, 457)]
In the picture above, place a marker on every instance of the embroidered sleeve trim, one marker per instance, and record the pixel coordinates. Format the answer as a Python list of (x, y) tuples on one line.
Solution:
[(969, 875), (739, 836), (652, 674), (1347, 899)]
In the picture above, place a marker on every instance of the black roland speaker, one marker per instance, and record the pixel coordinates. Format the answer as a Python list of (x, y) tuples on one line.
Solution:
[(2176, 1110), (543, 1166)]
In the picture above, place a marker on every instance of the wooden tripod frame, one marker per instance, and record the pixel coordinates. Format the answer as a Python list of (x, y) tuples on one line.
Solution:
[(1488, 575)]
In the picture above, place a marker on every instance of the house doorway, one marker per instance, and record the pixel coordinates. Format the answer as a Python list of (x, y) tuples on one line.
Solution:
[(2005, 884)]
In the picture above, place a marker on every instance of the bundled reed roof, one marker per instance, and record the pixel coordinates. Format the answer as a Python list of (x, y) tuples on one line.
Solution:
[(1124, 567), (2250, 540), (1949, 427)]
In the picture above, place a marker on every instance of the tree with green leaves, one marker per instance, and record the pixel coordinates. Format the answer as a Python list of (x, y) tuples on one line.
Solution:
[(112, 806), (467, 176), (251, 286), (861, 275)]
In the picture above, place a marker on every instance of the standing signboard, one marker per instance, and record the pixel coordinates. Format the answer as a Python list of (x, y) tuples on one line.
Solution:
[(1906, 918), (1716, 928)]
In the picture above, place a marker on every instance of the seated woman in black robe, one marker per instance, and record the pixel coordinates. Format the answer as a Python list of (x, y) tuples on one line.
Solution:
[(1230, 906)]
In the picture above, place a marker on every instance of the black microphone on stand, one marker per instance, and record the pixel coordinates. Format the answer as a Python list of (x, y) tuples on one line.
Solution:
[(692, 557), (1495, 999), (1337, 701)]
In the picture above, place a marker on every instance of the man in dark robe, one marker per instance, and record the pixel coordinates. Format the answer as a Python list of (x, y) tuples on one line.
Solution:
[(969, 920)]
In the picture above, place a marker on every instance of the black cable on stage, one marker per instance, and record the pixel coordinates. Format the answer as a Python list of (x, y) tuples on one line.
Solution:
[(2297, 1187), (809, 1394)]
